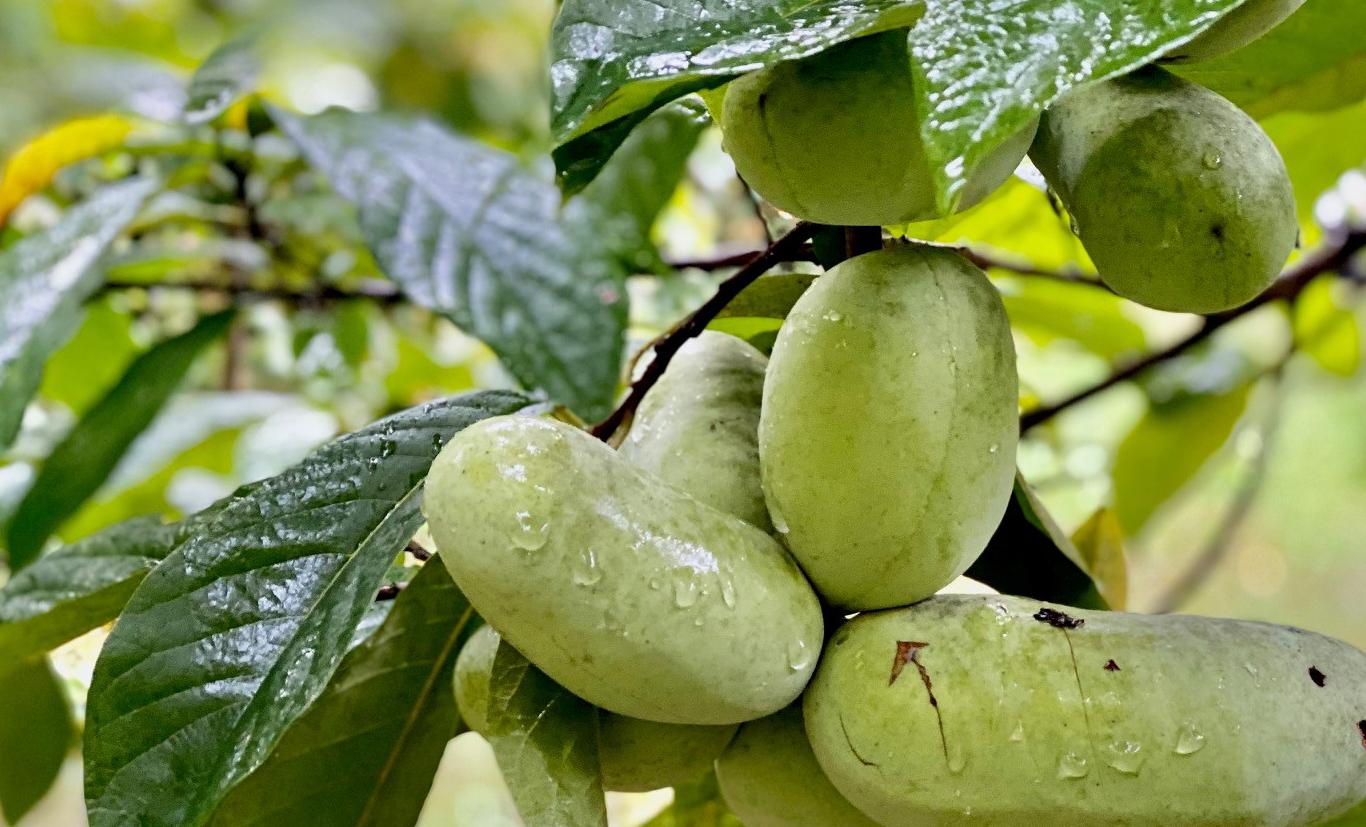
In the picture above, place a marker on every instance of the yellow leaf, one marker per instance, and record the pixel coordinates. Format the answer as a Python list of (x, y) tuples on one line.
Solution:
[(1327, 331), (33, 166), (1100, 541)]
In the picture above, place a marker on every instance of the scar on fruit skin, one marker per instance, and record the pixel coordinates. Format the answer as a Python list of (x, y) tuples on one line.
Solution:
[(1057, 619), (1111, 666), (1317, 677), (909, 650), (852, 749)]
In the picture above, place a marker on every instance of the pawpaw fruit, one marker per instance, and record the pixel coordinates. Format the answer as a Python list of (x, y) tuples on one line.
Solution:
[(1179, 197), (889, 424), (993, 711)]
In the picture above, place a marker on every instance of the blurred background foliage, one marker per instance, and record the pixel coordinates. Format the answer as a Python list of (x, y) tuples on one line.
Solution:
[(1233, 454)]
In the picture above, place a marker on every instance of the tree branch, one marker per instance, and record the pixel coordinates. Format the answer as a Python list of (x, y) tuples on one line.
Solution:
[(666, 346), (737, 258), (377, 291), (1333, 256), (988, 261)]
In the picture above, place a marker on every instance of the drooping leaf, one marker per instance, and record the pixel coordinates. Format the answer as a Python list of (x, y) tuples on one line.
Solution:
[(84, 459), (225, 76), (769, 297), (33, 166), (698, 804), (1315, 60), (465, 230), (35, 734), (79, 587), (43, 280), (365, 753), (1100, 542), (1030, 556), (546, 740), (1326, 331), (226, 643)]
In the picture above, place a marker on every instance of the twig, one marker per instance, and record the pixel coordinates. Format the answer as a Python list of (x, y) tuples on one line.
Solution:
[(418, 550), (665, 347), (373, 291), (736, 258), (1332, 256)]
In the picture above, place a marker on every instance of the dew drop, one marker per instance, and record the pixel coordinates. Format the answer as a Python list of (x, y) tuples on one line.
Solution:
[(798, 655), (685, 587), (437, 443), (728, 591), (587, 572), (1212, 160), (1071, 765), (1018, 735), (833, 316), (994, 448), (387, 448), (530, 534), (1251, 670), (1125, 756), (957, 759), (656, 584), (1189, 740)]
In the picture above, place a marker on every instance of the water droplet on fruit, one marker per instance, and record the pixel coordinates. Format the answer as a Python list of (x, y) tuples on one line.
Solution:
[(994, 448), (727, 591), (1071, 765), (1189, 739), (833, 316), (956, 758), (530, 534), (1251, 670), (798, 655), (587, 572), (1018, 735), (1212, 160), (1125, 756), (685, 587)]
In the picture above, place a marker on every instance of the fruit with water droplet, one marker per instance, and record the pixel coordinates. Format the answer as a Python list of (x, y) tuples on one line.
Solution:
[(1168, 225), (880, 461), (836, 137), (1183, 734), (698, 427), (769, 778), (1236, 29), (634, 755), (732, 668)]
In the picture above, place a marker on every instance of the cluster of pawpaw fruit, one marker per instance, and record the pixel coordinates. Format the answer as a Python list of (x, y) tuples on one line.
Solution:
[(749, 583)]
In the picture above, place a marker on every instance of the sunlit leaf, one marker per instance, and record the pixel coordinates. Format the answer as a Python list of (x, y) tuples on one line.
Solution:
[(1047, 310), (1100, 541), (227, 642), (84, 459), (32, 167), (1326, 331), (93, 359), (35, 734), (227, 74)]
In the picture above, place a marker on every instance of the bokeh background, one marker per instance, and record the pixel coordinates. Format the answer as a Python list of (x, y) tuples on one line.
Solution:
[(1229, 454)]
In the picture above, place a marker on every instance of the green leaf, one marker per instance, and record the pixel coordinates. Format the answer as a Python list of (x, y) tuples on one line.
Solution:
[(230, 72), (366, 752), (35, 734), (1046, 310), (1100, 543), (466, 231), (1030, 556), (698, 804), (1316, 155), (546, 740), (79, 587), (230, 639), (615, 60), (1315, 60), (769, 297), (1169, 445), (84, 459), (642, 177), (1325, 330), (43, 280), (89, 364)]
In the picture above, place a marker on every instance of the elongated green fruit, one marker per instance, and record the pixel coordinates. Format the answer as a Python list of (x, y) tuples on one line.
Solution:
[(698, 427), (835, 138), (1236, 29), (1181, 199), (628, 592), (1002, 711), (888, 431), (770, 778), (634, 755)]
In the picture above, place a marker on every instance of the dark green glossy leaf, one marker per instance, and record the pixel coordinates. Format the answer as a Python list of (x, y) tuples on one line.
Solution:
[(1316, 60), (84, 459), (1030, 556), (697, 805), (35, 734), (546, 740), (465, 230), (230, 639), (366, 752), (78, 587), (43, 280), (225, 76)]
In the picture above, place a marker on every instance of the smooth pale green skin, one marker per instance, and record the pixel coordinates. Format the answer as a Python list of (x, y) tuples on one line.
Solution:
[(1236, 29), (835, 138), (698, 427), (623, 589), (769, 778), (889, 424), (634, 755), (1206, 723), (1180, 198)]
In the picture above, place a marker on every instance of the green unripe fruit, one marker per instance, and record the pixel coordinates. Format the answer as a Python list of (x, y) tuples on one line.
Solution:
[(770, 778), (623, 589), (835, 138), (634, 755), (1236, 29), (889, 423), (1180, 198), (698, 427), (1002, 711)]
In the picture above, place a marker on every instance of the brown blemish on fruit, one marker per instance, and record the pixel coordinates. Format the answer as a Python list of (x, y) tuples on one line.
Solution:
[(1317, 677), (908, 651), (1111, 666), (852, 749), (1057, 619)]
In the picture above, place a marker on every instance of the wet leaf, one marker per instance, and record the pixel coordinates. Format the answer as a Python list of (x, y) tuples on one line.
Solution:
[(227, 642), (366, 752), (546, 741), (43, 280), (463, 229), (227, 74), (79, 586), (698, 804), (1030, 556), (84, 459), (35, 734)]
